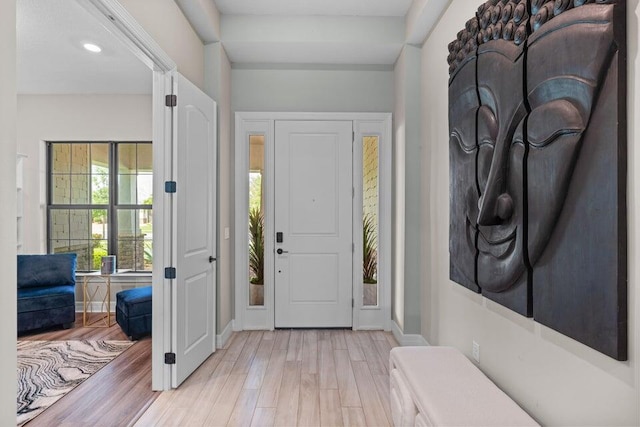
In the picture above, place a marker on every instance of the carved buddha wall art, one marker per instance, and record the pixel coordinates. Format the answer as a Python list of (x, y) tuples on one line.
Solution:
[(537, 118)]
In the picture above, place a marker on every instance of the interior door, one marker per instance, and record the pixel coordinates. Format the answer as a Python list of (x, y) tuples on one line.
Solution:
[(193, 298), (313, 203)]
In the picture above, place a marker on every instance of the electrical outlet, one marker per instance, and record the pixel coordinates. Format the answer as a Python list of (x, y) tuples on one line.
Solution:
[(476, 352)]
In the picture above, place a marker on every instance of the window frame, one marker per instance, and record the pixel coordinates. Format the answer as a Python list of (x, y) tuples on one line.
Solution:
[(112, 208)]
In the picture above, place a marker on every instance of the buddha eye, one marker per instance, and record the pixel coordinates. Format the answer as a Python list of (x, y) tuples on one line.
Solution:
[(464, 131), (487, 126), (553, 120)]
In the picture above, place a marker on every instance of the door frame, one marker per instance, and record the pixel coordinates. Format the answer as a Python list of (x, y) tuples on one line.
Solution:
[(263, 123), (113, 16)]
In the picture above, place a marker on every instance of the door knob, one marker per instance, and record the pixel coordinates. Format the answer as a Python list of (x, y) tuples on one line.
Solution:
[(280, 251), (211, 259)]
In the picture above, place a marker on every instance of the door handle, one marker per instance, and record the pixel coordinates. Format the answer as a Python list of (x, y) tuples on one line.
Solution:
[(211, 259), (280, 251)]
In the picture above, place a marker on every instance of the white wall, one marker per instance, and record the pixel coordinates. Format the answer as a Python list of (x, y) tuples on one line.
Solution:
[(312, 90), (399, 193), (166, 24), (8, 307), (407, 182), (218, 86), (70, 118), (556, 379)]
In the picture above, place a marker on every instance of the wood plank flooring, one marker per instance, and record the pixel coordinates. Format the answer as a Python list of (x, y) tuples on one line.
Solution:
[(116, 395), (285, 378)]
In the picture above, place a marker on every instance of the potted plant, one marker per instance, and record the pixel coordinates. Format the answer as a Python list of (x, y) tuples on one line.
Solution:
[(369, 260), (256, 257)]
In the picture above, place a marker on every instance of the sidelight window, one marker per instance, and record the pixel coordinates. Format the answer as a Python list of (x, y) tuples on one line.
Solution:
[(370, 208)]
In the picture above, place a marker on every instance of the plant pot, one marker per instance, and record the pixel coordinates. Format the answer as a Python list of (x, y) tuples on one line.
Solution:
[(370, 291), (256, 294)]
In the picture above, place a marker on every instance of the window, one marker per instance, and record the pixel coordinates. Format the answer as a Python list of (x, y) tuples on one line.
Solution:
[(99, 202), (370, 207), (256, 220)]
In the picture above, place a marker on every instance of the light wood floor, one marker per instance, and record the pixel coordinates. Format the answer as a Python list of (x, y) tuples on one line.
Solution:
[(285, 378), (116, 395)]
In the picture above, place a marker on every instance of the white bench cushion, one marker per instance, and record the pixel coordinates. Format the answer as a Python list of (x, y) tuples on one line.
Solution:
[(448, 390)]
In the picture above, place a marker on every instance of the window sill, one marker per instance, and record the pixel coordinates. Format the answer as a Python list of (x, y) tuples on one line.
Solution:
[(124, 277)]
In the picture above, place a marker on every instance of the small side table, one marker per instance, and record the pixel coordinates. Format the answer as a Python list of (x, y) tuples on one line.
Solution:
[(96, 284)]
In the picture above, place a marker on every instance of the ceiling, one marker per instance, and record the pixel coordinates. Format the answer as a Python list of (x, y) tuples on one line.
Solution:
[(321, 32), (51, 59), (314, 7)]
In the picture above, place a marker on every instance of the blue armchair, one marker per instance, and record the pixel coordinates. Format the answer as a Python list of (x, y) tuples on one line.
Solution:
[(46, 291)]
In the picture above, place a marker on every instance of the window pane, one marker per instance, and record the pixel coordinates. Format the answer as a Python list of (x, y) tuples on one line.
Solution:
[(130, 240), (145, 222), (127, 189), (127, 228), (256, 221), (99, 224), (146, 228), (61, 189), (59, 246), (127, 158), (61, 158), (99, 248), (148, 255), (59, 225), (79, 224), (79, 189), (82, 249), (80, 158), (127, 251), (100, 158), (145, 189), (145, 158), (370, 220), (100, 189), (135, 178)]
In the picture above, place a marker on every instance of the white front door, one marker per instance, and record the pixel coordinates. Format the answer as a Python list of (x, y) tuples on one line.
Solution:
[(193, 296), (313, 213)]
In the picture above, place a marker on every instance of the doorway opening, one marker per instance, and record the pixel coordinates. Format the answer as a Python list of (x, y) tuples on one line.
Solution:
[(288, 166), (163, 120)]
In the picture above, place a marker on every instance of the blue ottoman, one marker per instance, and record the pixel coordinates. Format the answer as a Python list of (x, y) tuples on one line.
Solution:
[(133, 311)]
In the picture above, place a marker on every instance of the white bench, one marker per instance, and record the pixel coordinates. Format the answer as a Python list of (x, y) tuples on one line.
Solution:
[(439, 386)]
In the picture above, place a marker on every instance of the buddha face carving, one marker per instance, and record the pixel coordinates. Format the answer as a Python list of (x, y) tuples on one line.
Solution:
[(527, 78), (463, 153), (501, 153)]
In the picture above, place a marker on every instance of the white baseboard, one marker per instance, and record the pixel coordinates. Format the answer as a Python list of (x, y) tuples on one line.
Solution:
[(94, 307), (221, 340), (407, 339)]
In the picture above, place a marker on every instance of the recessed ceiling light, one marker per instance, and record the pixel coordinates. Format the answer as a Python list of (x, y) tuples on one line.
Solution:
[(92, 47)]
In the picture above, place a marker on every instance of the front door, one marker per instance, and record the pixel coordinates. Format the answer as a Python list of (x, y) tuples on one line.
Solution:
[(313, 224), (193, 299)]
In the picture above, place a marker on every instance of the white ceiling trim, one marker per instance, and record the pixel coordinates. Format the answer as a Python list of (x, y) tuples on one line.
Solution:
[(204, 18), (314, 7), (313, 53), (422, 18)]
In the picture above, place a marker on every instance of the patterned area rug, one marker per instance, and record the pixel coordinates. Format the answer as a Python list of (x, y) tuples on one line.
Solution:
[(47, 370)]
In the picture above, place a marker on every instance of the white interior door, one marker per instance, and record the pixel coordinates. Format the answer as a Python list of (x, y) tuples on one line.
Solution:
[(313, 204), (193, 298)]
